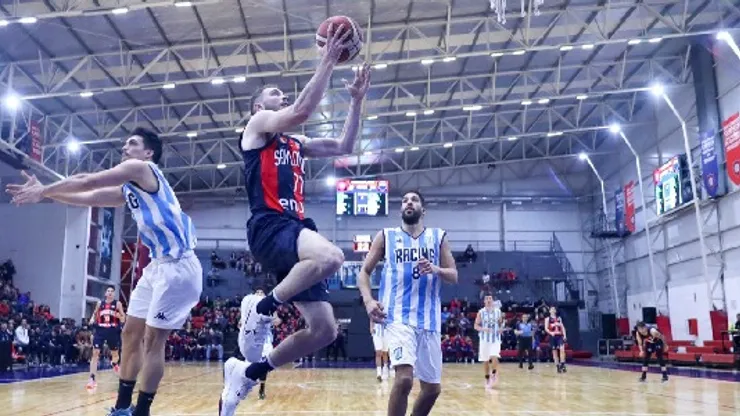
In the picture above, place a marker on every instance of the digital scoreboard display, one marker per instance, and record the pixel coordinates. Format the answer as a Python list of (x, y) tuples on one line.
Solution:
[(360, 198), (361, 243), (669, 179)]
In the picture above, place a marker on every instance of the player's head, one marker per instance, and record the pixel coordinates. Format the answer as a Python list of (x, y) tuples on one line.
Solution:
[(259, 292), (109, 292), (143, 145), (525, 317), (268, 97), (488, 300), (412, 207), (553, 311), (642, 328)]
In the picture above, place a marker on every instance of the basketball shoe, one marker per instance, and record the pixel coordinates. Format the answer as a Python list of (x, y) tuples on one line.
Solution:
[(236, 386)]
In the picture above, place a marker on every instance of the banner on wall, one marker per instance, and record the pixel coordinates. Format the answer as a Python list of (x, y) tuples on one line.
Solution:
[(106, 243), (731, 133), (629, 206), (619, 211), (34, 132), (714, 183)]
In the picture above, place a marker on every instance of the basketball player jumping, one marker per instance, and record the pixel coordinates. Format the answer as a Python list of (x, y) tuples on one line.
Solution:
[(417, 261), (556, 330), (650, 341), (488, 323), (380, 342), (280, 237), (107, 319), (170, 285)]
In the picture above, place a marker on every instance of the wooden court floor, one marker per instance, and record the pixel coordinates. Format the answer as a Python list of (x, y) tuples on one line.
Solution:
[(193, 390)]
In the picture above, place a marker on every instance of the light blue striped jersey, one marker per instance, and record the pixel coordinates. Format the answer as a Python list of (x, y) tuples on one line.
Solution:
[(164, 229), (379, 330), (490, 318), (409, 297)]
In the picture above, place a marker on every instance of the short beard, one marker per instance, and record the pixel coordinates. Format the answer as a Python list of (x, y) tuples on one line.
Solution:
[(412, 219)]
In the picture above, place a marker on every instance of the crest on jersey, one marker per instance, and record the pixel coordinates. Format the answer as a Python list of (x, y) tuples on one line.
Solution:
[(283, 139), (398, 353)]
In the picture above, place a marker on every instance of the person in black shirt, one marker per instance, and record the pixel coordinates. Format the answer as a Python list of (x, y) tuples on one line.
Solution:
[(736, 334), (650, 341)]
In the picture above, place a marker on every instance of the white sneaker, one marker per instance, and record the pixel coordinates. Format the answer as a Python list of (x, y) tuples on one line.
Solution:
[(236, 386), (255, 329)]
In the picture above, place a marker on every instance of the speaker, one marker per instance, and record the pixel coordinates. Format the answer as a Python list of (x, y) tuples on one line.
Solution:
[(609, 326), (649, 315)]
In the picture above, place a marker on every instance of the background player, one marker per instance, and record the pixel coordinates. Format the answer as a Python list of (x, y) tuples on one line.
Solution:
[(170, 285), (650, 341), (106, 319), (556, 330), (380, 343), (525, 340), (488, 323), (417, 261), (279, 236)]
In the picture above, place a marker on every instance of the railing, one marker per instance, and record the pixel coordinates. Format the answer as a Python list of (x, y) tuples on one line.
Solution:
[(559, 253)]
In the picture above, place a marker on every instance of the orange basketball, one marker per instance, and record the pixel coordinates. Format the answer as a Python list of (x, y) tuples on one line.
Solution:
[(354, 43)]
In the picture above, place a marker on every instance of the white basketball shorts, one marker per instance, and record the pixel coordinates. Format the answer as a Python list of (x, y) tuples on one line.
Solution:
[(380, 342), (418, 348), (486, 350), (167, 291)]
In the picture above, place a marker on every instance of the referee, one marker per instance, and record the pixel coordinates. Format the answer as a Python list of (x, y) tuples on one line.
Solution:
[(525, 339)]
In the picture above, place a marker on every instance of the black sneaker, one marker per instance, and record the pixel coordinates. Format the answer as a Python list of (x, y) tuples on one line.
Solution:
[(531, 367)]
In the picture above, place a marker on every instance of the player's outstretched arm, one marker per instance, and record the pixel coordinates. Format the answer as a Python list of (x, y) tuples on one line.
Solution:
[(305, 104), (373, 307), (104, 197), (345, 143), (127, 171)]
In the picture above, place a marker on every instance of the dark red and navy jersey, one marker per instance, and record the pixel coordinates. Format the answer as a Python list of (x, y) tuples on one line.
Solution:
[(555, 325), (107, 317), (274, 176), (649, 338)]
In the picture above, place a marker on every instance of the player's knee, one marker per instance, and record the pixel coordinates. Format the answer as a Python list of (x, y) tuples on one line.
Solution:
[(431, 390), (332, 260), (404, 382)]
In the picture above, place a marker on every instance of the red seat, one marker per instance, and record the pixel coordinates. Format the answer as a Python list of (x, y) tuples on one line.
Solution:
[(719, 360), (679, 343), (700, 350), (682, 358), (582, 354), (623, 355), (509, 354)]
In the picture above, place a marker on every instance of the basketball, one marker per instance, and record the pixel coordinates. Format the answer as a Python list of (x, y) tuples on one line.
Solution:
[(354, 43)]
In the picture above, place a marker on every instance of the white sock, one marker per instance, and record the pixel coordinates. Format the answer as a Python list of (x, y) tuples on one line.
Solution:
[(379, 370)]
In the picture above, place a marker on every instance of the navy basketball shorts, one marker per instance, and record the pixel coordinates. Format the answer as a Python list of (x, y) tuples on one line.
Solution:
[(110, 336), (273, 241), (556, 341)]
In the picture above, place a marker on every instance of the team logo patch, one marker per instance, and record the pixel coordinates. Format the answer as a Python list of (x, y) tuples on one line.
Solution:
[(398, 353)]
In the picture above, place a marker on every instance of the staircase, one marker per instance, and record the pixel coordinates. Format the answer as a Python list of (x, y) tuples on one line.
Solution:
[(571, 277)]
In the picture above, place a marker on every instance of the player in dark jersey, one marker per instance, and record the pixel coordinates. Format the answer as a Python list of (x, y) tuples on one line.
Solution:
[(556, 330), (280, 237), (650, 341), (106, 319)]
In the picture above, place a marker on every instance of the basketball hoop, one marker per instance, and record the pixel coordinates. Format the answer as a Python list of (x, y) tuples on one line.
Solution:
[(499, 6)]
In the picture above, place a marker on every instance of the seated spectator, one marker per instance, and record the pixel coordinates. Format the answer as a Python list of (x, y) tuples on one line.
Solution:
[(22, 339), (216, 343), (83, 344), (470, 255)]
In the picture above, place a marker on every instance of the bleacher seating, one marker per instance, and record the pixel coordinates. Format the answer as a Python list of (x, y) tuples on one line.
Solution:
[(683, 352)]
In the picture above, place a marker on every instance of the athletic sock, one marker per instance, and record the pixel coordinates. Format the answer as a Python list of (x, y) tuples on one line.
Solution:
[(379, 370), (644, 375), (143, 404), (488, 377), (268, 305), (92, 376), (257, 371), (125, 391)]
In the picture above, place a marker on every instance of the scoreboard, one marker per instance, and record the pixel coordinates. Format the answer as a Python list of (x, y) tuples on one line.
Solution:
[(362, 198), (672, 186)]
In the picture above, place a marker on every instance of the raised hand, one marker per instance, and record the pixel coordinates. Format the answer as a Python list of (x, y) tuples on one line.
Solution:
[(28, 193), (336, 44), (358, 88)]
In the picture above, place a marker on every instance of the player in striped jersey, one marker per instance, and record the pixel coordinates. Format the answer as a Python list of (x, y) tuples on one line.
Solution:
[(489, 324), (380, 342), (170, 285), (417, 261)]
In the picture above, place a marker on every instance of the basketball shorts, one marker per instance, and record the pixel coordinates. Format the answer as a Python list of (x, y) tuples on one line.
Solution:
[(380, 341), (487, 350), (655, 347), (110, 336), (421, 349), (556, 341), (167, 291), (273, 241)]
